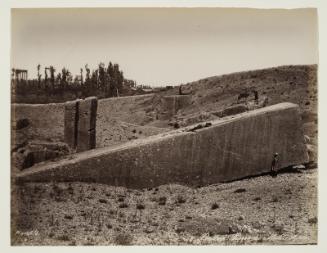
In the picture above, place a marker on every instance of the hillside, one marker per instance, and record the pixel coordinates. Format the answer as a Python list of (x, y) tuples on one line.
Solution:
[(297, 84), (126, 118)]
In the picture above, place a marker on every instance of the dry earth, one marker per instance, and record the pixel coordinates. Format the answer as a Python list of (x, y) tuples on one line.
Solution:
[(259, 210)]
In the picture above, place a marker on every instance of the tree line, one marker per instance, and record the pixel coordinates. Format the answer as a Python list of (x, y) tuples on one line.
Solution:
[(105, 81)]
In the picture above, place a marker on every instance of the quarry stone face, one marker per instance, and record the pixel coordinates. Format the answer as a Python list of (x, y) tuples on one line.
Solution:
[(228, 149)]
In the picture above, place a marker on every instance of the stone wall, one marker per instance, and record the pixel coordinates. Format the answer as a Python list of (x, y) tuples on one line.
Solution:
[(228, 149)]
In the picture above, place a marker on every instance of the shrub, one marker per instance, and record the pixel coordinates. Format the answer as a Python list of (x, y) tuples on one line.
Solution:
[(102, 201), (275, 199), (180, 199), (123, 205), (313, 220), (240, 190), (214, 206), (123, 239), (162, 201), (140, 206), (121, 199), (64, 237)]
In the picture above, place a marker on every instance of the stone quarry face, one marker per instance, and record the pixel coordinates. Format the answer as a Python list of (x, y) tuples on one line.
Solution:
[(231, 148)]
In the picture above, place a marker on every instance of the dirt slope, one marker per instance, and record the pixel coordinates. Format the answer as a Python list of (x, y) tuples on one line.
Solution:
[(297, 84)]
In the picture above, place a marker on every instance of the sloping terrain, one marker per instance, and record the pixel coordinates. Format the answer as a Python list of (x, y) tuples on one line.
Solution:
[(296, 84)]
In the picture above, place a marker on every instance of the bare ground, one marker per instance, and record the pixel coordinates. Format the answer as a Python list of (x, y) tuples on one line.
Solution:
[(259, 210)]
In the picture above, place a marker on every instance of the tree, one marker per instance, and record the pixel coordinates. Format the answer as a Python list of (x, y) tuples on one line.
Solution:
[(59, 83), (117, 81), (94, 80), (81, 70), (39, 76), (65, 78), (52, 77), (102, 77), (110, 74), (46, 78), (87, 78)]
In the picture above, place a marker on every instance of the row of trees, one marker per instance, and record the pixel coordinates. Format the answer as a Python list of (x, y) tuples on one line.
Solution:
[(105, 81)]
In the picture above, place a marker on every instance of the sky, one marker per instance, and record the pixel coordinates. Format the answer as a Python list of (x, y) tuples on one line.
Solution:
[(163, 46)]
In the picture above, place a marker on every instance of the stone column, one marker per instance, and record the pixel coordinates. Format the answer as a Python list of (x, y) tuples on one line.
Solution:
[(71, 123), (86, 132)]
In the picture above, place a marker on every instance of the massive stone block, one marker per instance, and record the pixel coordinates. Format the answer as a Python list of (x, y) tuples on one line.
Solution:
[(86, 132), (71, 123), (231, 148)]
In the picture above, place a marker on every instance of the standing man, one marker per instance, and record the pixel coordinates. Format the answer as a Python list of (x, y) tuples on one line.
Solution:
[(256, 96), (274, 165)]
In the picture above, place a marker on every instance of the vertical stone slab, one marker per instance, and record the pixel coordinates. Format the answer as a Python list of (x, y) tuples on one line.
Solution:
[(71, 123), (86, 135)]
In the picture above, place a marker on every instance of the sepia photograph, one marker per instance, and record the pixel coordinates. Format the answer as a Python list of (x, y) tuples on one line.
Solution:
[(163, 126)]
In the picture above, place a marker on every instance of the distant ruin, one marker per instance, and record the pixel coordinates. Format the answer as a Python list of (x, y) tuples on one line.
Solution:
[(227, 149), (19, 75)]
